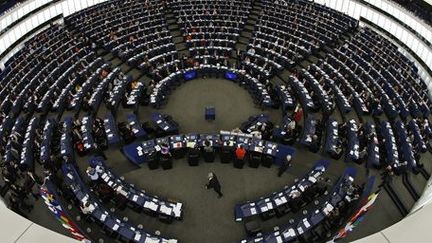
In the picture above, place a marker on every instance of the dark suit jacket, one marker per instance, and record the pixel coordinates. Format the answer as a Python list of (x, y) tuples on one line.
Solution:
[(214, 183)]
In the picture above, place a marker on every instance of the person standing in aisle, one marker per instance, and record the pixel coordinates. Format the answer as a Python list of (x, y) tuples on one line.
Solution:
[(285, 165), (213, 182)]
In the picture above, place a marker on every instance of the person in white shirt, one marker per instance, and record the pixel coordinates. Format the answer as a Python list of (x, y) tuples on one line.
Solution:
[(256, 134), (92, 174), (87, 208), (285, 165), (251, 51)]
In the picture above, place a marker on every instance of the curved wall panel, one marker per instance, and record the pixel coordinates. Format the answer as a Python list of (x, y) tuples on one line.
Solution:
[(65, 8), (356, 9), (351, 7), (18, 12)]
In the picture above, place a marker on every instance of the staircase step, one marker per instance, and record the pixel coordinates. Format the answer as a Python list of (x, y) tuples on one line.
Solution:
[(241, 46), (175, 33), (171, 21), (246, 34), (101, 52), (278, 80), (108, 57), (125, 68), (135, 73), (181, 46), (178, 39), (251, 22), (249, 28), (244, 38)]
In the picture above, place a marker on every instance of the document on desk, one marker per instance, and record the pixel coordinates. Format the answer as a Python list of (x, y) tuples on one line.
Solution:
[(269, 205), (115, 227), (300, 230), (177, 211), (301, 188), (137, 237), (289, 233), (278, 238), (328, 209), (122, 192), (166, 210), (312, 179), (190, 144), (151, 205), (258, 149), (306, 223), (151, 240), (278, 202)]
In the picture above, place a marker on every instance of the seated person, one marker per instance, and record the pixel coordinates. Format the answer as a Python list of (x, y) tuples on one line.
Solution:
[(193, 155), (240, 153), (315, 144), (256, 134), (87, 208), (207, 148), (165, 151), (295, 201), (227, 152), (126, 132), (286, 164)]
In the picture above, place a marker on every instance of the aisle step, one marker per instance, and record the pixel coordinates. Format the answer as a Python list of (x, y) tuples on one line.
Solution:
[(175, 32)]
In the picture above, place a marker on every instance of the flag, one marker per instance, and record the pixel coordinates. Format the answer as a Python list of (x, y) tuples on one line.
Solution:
[(357, 218), (60, 215)]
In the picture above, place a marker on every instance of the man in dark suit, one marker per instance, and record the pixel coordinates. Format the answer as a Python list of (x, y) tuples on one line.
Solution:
[(213, 182), (285, 165)]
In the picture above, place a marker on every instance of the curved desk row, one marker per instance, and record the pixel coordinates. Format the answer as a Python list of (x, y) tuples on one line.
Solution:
[(136, 197), (255, 87), (291, 232), (278, 199), (137, 152), (104, 217)]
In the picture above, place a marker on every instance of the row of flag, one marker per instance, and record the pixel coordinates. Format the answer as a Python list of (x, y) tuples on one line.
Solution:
[(60, 215)]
